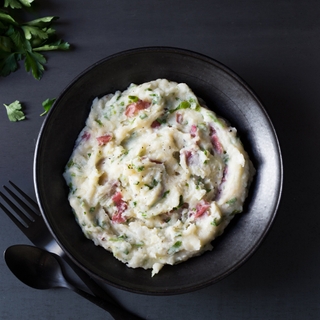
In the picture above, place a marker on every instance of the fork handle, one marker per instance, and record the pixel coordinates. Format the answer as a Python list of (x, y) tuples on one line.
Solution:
[(117, 312)]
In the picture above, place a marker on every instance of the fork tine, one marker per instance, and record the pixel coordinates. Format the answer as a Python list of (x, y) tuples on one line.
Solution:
[(13, 218), (31, 201), (19, 212), (30, 212)]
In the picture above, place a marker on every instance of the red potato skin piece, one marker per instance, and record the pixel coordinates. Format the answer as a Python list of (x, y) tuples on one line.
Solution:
[(133, 108), (217, 146), (102, 140), (155, 124), (201, 208), (121, 207), (179, 118), (86, 136), (193, 130)]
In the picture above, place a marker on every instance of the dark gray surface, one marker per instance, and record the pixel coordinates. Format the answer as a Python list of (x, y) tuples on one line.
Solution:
[(274, 46)]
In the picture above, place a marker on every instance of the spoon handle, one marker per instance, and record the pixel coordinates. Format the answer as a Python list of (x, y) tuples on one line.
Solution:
[(117, 312), (88, 281), (101, 298)]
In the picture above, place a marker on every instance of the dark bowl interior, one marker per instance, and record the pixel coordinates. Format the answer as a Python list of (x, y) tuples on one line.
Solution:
[(229, 97)]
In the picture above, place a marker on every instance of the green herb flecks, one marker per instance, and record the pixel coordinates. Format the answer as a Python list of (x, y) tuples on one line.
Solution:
[(133, 98), (155, 98), (234, 212), (216, 222), (131, 166), (232, 201), (138, 245), (98, 121), (119, 238), (175, 248), (70, 163), (182, 105), (153, 184), (180, 202), (71, 188), (143, 116), (165, 194), (225, 158)]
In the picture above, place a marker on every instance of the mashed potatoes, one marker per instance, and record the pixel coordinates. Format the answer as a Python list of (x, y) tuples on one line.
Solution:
[(155, 176)]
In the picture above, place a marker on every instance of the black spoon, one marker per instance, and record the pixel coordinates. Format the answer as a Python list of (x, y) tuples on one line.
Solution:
[(41, 269)]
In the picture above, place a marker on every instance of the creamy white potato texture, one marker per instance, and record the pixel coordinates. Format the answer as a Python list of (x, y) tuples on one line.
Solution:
[(154, 176)]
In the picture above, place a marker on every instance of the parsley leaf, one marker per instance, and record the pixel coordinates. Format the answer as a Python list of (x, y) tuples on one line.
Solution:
[(34, 61), (58, 45), (14, 111), (17, 4), (47, 104), (8, 63)]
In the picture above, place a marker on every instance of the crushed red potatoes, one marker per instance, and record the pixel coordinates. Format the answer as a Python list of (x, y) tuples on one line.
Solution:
[(154, 176)]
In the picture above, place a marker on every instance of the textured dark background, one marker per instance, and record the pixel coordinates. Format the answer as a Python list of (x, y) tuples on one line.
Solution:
[(274, 46)]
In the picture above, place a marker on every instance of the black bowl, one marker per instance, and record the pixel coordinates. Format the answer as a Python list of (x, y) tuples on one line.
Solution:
[(229, 97)]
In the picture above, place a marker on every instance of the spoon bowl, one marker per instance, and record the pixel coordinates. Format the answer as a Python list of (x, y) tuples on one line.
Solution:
[(36, 268)]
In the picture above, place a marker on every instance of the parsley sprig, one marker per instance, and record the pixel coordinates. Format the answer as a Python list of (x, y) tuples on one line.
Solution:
[(14, 111), (25, 40)]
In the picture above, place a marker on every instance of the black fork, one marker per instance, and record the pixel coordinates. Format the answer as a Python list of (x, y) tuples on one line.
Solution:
[(31, 222)]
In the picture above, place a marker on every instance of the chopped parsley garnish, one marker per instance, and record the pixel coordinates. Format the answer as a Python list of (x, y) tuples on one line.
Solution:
[(120, 238), (216, 222), (225, 158), (162, 120), (70, 163), (180, 202), (134, 98), (182, 105), (231, 201), (131, 166), (143, 116), (152, 185), (72, 189), (165, 194), (99, 122), (175, 247)]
